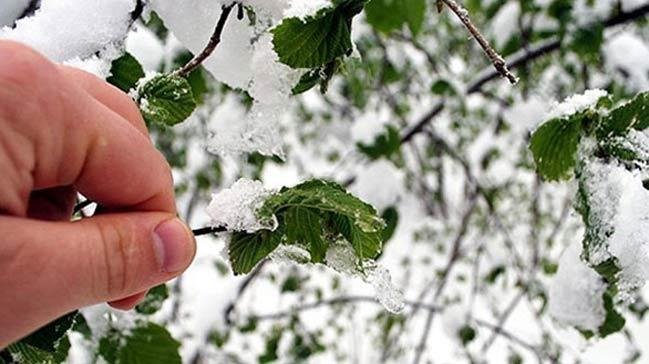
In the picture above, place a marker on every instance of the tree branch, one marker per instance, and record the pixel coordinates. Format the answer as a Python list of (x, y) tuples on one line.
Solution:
[(214, 41), (496, 59), (520, 59), (335, 301), (523, 57)]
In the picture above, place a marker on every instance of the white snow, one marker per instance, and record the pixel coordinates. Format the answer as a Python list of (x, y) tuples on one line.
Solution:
[(576, 103), (576, 293), (342, 258), (620, 210), (235, 208), (305, 8), (505, 23), (145, 46), (627, 52), (630, 241), (380, 184), (64, 30), (244, 59)]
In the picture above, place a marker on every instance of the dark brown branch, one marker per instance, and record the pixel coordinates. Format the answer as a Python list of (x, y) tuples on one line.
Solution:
[(229, 310), (525, 57), (452, 260), (30, 9), (139, 9), (421, 124), (215, 39), (496, 59), (521, 59), (208, 230)]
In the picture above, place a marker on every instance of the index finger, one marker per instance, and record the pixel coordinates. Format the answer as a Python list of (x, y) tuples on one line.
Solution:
[(73, 139)]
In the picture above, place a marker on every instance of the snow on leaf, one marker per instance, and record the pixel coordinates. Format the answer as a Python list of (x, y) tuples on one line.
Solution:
[(633, 114), (235, 208), (576, 293)]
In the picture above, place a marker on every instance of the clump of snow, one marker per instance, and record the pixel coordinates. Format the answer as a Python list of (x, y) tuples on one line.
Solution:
[(627, 53), (602, 193), (576, 293), (145, 46), (232, 131), (386, 292), (305, 8), (341, 257), (64, 30), (576, 103), (290, 254), (235, 208), (629, 242), (619, 219), (245, 59), (504, 24)]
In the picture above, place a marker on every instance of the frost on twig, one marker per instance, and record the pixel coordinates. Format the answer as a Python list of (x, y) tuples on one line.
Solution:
[(496, 59)]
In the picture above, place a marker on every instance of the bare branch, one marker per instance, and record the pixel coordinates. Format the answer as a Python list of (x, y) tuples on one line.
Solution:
[(496, 59), (215, 39), (332, 302)]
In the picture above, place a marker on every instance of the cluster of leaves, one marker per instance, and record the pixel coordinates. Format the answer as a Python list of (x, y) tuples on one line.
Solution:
[(556, 149), (145, 343), (312, 215)]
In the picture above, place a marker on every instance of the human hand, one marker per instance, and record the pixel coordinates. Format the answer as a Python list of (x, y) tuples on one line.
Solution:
[(62, 131)]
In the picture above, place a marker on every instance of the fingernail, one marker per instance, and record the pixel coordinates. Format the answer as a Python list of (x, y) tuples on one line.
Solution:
[(173, 245)]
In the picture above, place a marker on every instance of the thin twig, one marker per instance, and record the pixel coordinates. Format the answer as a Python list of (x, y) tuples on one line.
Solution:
[(209, 230), (82, 205), (496, 59), (331, 302), (215, 39), (452, 260)]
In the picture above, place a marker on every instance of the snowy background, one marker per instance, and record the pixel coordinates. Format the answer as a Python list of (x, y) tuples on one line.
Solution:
[(479, 235)]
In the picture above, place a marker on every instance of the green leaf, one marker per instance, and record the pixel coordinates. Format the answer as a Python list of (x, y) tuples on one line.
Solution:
[(554, 146), (319, 39), (384, 145), (587, 41), (154, 300), (149, 343), (313, 214), (466, 334), (389, 15), (443, 88), (321, 75), (304, 227), (125, 72), (48, 337), (613, 322), (391, 217), (246, 250), (631, 115), (367, 245), (22, 353), (166, 100)]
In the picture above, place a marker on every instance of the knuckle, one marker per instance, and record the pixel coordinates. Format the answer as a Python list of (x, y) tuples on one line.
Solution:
[(118, 260), (23, 66)]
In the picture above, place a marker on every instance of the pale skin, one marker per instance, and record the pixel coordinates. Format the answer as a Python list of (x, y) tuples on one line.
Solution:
[(64, 131)]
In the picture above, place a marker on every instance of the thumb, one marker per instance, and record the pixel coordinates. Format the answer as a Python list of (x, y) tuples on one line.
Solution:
[(50, 268)]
